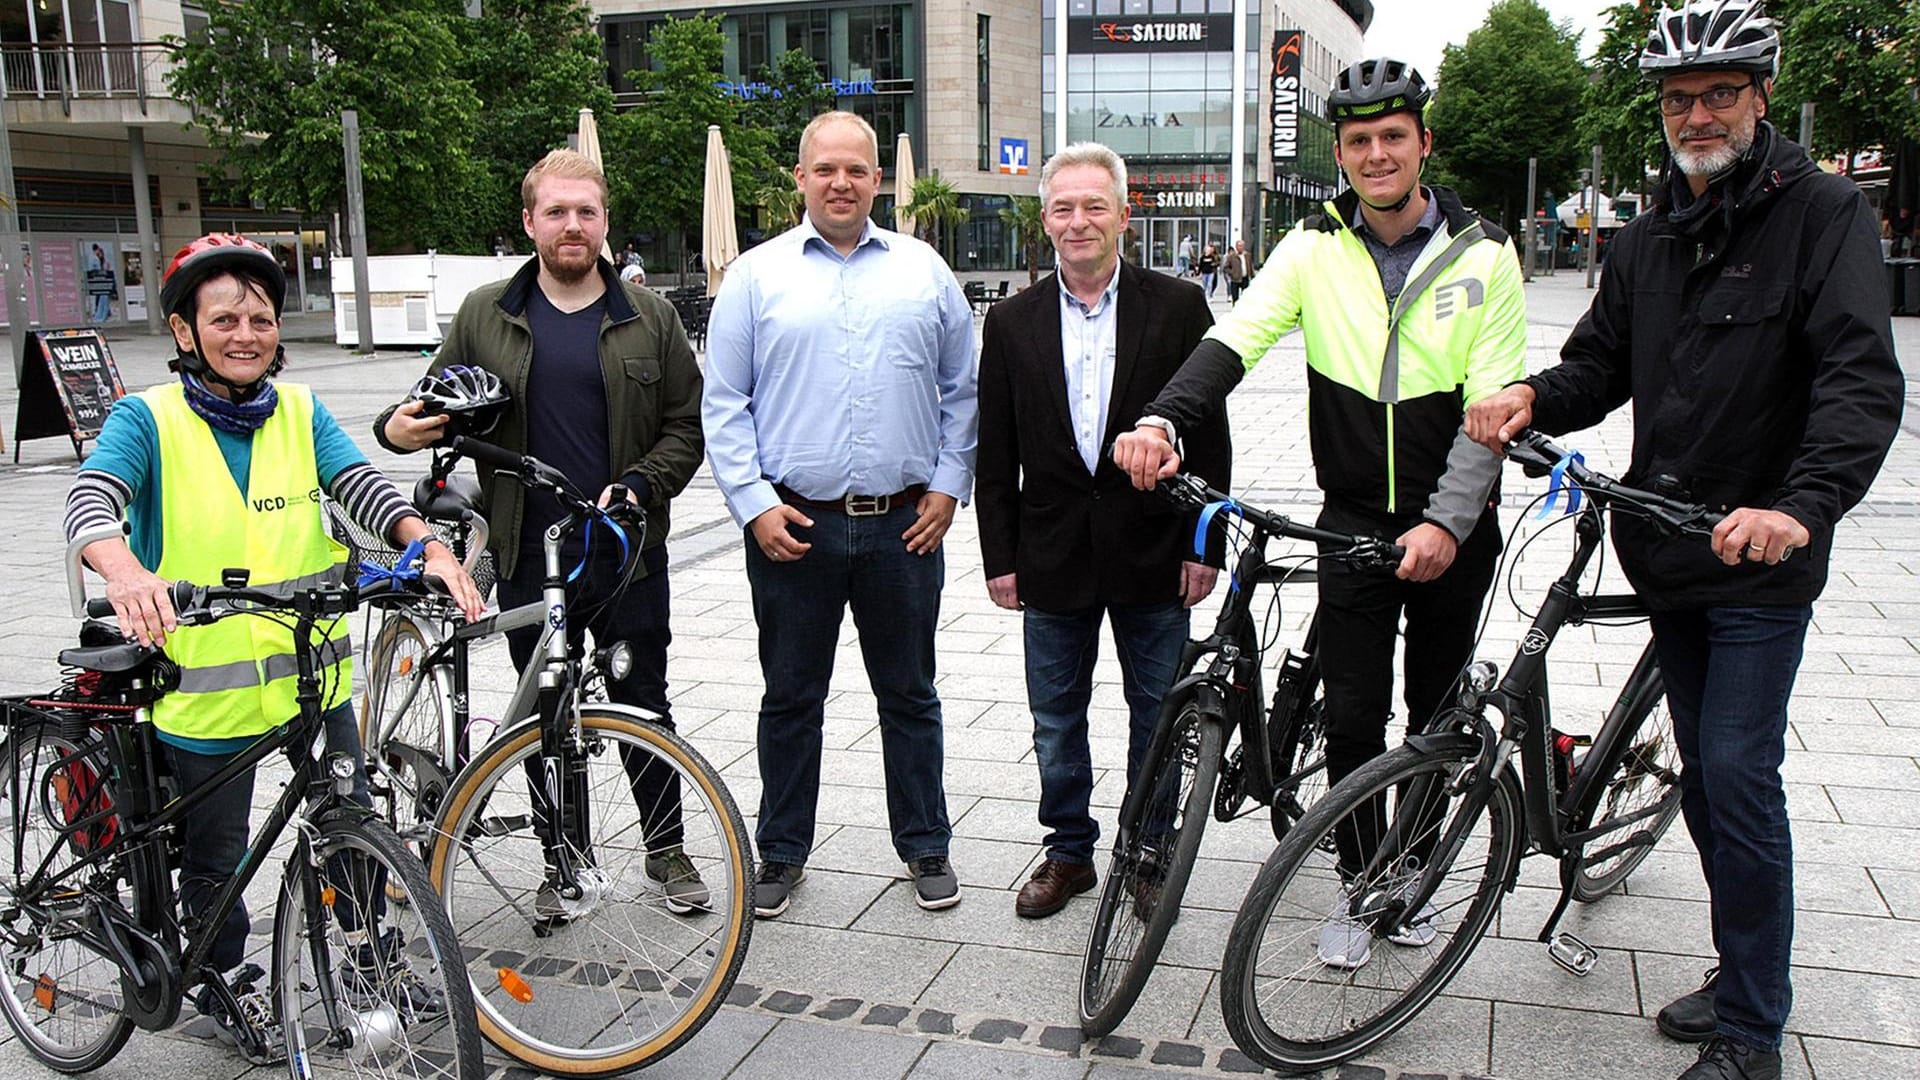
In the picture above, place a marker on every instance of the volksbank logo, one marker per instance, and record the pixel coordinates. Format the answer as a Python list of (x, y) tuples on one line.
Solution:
[(1447, 299)]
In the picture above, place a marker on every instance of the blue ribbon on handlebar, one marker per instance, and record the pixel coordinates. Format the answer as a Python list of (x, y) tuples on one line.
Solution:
[(1224, 506), (1558, 482), (600, 517), (405, 568)]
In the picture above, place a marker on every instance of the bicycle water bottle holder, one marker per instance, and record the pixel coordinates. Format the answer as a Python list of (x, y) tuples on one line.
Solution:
[(1571, 952)]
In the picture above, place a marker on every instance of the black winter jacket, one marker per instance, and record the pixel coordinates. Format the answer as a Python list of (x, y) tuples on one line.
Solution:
[(1751, 332)]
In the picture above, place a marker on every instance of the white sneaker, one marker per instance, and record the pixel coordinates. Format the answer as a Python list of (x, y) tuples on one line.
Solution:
[(1344, 942)]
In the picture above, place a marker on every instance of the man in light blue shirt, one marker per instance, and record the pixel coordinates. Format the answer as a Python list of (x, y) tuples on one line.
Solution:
[(841, 423)]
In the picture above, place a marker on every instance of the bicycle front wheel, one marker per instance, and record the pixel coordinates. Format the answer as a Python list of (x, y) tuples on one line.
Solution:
[(629, 962), (1637, 773), (1325, 958), (368, 986), (64, 999), (1154, 847), (405, 792)]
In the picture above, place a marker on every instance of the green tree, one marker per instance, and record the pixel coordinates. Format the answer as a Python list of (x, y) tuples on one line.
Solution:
[(1621, 114), (536, 64), (795, 96), (657, 152), (1027, 218), (268, 85), (936, 209), (1858, 62), (1512, 91), (779, 199)]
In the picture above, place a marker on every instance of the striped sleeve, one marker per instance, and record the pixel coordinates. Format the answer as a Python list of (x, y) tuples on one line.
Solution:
[(370, 499), (97, 498)]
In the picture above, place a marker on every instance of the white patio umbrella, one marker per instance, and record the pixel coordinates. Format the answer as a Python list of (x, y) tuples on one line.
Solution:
[(590, 146), (719, 243), (903, 184)]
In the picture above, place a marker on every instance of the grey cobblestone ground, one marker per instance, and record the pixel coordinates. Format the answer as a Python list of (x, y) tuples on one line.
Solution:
[(857, 981)]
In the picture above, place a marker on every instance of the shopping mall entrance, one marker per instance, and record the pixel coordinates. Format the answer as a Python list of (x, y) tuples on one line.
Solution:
[(1162, 237)]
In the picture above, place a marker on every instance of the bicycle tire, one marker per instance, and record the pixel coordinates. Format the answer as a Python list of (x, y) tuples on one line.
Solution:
[(1140, 898), (402, 1002), (1300, 765), (39, 983), (1638, 770), (1276, 938), (491, 880), (403, 797)]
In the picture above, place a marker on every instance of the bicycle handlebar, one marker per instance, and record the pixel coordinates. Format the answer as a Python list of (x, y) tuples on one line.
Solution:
[(1539, 455), (536, 473), (1193, 493)]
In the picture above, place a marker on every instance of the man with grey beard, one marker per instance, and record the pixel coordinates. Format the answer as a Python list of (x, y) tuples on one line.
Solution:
[(1746, 318)]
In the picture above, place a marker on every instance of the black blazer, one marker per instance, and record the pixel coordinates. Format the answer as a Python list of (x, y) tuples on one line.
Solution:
[(1077, 539)]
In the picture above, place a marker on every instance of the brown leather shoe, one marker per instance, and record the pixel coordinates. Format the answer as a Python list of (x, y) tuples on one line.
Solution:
[(1052, 885)]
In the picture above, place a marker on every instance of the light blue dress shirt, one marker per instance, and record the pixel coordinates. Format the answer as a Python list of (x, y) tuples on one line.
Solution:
[(1087, 336), (839, 375)]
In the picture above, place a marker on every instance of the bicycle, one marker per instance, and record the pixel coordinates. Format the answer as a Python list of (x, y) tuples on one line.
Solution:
[(1412, 855), (591, 950), (1279, 761), (90, 933)]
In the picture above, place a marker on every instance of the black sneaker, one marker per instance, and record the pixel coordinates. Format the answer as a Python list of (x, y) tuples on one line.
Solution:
[(773, 889), (1690, 1018), (1730, 1059), (935, 885), (242, 1015), (370, 978)]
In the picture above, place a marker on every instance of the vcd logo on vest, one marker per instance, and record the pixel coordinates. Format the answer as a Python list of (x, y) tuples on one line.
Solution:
[(275, 503)]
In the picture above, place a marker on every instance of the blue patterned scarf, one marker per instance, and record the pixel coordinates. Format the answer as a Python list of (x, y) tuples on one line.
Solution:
[(232, 417)]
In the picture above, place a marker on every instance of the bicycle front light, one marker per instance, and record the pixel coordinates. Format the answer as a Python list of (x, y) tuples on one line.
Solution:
[(1481, 677), (616, 660)]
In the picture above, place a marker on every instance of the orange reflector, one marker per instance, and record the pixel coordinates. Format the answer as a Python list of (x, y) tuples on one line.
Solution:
[(43, 991), (327, 895), (515, 986), (406, 665)]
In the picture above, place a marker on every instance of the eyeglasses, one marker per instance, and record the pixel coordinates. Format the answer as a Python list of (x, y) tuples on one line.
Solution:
[(1716, 98)]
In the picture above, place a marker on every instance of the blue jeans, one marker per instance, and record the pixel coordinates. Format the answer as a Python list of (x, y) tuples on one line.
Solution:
[(1729, 672), (1061, 649), (857, 563)]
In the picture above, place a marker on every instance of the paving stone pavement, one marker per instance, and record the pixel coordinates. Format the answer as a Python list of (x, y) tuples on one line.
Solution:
[(856, 981)]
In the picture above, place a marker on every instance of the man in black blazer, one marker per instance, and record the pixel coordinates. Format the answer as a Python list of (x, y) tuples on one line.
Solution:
[(1065, 537)]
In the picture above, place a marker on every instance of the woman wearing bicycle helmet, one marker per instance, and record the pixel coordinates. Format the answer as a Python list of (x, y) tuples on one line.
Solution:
[(224, 468)]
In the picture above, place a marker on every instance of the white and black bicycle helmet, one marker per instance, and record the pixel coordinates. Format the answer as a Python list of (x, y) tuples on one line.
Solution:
[(1712, 35), (474, 398), (1370, 88)]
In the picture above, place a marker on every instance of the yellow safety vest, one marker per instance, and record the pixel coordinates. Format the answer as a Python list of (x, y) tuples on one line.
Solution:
[(237, 676)]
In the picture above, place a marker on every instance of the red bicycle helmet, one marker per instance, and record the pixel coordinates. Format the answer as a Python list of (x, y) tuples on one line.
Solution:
[(208, 257)]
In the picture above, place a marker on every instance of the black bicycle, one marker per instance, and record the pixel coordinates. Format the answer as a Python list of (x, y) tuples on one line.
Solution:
[(367, 974), (1378, 896), (1279, 761)]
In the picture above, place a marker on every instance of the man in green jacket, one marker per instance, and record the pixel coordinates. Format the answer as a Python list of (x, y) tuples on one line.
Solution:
[(606, 390)]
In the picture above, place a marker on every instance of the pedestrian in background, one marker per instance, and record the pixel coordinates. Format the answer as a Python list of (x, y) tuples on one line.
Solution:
[(1209, 267)]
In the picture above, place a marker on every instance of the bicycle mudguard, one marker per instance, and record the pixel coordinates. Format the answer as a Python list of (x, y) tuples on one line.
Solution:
[(1446, 743)]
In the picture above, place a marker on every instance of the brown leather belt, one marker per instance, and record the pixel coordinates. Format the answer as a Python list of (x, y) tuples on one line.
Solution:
[(856, 505)]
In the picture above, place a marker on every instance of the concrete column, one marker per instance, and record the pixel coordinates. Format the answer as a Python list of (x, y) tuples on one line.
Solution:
[(1237, 171), (150, 255)]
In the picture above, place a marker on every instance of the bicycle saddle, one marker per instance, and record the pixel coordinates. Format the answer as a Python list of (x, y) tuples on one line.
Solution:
[(448, 499), (113, 659)]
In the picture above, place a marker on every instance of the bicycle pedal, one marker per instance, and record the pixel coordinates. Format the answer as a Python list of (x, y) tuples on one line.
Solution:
[(1570, 952)]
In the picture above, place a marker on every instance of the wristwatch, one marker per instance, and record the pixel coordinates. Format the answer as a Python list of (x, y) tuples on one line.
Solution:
[(1160, 422)]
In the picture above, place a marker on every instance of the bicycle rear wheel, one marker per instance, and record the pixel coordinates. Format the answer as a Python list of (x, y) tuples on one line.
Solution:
[(1639, 772), (63, 999), (1154, 847), (1300, 763), (623, 974), (406, 794), (1324, 959), (365, 986)]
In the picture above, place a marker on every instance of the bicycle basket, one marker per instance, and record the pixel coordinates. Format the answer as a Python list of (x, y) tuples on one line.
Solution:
[(363, 546)]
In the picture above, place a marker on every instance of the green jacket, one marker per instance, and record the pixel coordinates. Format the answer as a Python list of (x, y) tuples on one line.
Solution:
[(652, 383)]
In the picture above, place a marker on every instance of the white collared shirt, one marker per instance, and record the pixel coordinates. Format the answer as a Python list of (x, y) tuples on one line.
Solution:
[(1087, 346)]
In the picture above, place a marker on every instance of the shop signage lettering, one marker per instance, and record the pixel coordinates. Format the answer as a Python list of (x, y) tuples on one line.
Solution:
[(1189, 34), (1177, 179), (1187, 200), (754, 91), (1286, 94), (1127, 120)]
